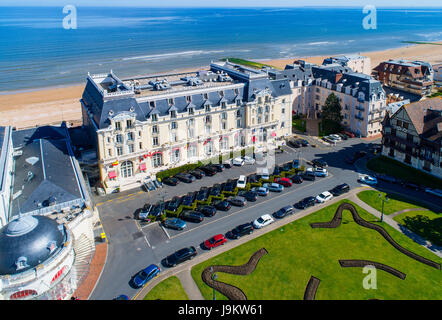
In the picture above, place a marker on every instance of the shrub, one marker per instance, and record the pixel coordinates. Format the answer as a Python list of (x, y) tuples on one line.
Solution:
[(173, 171)]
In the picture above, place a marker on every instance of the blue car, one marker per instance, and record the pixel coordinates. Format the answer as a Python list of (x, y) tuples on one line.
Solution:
[(274, 187), (174, 223), (296, 164), (261, 191), (146, 275)]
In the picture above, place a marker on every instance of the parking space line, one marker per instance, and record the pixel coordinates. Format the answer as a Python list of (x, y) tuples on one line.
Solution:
[(148, 244), (165, 231)]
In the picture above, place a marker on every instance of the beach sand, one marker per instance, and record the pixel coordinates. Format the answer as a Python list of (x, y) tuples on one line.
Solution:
[(51, 106)]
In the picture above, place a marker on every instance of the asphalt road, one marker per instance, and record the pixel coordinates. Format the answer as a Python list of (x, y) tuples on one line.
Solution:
[(133, 246)]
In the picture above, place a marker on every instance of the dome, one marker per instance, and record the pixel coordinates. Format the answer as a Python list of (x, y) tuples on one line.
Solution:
[(27, 242)]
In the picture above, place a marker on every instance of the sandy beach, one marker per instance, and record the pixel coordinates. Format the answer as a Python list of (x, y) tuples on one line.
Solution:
[(50, 106)]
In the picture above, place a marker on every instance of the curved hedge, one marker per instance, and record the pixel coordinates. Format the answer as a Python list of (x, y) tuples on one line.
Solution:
[(310, 289), (377, 265)]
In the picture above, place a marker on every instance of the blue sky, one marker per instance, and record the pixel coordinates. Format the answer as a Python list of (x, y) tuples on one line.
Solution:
[(227, 3)]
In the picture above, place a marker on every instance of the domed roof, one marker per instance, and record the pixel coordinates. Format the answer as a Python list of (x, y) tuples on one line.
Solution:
[(28, 241)]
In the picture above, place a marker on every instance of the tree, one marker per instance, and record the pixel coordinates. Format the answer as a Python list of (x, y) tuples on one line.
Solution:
[(331, 115)]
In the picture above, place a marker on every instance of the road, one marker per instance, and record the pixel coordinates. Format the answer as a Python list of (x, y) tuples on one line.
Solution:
[(133, 246)]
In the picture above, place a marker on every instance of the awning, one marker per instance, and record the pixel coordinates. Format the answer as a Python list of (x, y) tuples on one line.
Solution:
[(273, 134), (142, 166), (112, 174), (115, 163)]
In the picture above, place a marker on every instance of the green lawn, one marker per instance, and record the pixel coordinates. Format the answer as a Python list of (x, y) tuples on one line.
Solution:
[(395, 203), (297, 251), (402, 171), (427, 224), (168, 289), (300, 124), (249, 63)]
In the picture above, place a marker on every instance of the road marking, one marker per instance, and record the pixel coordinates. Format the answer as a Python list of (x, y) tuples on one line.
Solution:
[(165, 231), (148, 244)]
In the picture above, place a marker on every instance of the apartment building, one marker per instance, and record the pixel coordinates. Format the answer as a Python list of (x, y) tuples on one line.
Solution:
[(362, 98), (149, 124), (437, 74), (415, 77), (6, 173), (357, 63), (413, 135)]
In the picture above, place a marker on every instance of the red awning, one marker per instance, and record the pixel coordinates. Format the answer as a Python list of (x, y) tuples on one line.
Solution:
[(273, 134), (112, 175), (142, 166)]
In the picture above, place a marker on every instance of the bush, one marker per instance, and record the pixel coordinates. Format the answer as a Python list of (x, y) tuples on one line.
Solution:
[(152, 218), (173, 171)]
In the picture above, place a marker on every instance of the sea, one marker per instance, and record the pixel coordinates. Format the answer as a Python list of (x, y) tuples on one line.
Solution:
[(43, 47)]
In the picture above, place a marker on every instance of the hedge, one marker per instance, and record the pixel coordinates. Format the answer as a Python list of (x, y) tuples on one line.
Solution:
[(173, 171)]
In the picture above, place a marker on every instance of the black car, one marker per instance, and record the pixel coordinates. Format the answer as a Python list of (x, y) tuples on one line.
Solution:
[(237, 201), (215, 190), (308, 176), (218, 167), (207, 211), (340, 189), (203, 194), (185, 177), (208, 170), (287, 166), (319, 163), (173, 204), (277, 171), (223, 205), (412, 186), (305, 203), (253, 178), (158, 209), (281, 213), (386, 178), (229, 186), (188, 199), (294, 144), (249, 195), (239, 231), (192, 216), (171, 181), (199, 174), (180, 256), (296, 178), (304, 142), (342, 136)]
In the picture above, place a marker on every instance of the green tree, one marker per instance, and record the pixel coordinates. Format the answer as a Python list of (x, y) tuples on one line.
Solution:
[(331, 115)]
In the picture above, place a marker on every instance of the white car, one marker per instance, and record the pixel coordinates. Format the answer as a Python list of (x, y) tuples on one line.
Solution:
[(335, 137), (366, 179), (436, 192), (323, 197), (262, 221), (319, 172), (238, 162), (242, 181), (248, 160), (263, 173)]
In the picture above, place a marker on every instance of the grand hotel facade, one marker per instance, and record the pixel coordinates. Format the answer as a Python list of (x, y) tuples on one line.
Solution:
[(144, 125)]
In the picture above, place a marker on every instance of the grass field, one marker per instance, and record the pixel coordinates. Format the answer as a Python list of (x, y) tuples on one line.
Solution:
[(395, 203), (402, 171), (249, 63), (296, 252), (427, 224), (168, 289)]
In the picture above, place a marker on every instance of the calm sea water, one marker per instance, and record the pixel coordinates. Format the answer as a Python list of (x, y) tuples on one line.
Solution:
[(36, 51)]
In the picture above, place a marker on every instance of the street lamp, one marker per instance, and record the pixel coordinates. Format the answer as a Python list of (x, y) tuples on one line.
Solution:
[(214, 277), (383, 200)]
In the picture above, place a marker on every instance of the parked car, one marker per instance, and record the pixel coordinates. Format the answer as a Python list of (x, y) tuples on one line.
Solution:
[(340, 189), (215, 190), (348, 134), (308, 175), (219, 167), (242, 181), (248, 160), (296, 164), (174, 223), (287, 166), (215, 241), (411, 185), (249, 195), (323, 197), (188, 199), (173, 204), (386, 178), (342, 136), (144, 211), (185, 177), (171, 181), (237, 201), (305, 203), (197, 173), (262, 221), (436, 192), (263, 173), (318, 171), (281, 213), (319, 163), (286, 182), (146, 275), (261, 191), (229, 186), (274, 187), (239, 231), (180, 256), (202, 194), (296, 178), (209, 170), (192, 216), (238, 162), (294, 143), (303, 142), (335, 137), (222, 205), (121, 297), (277, 170), (207, 210), (328, 140), (366, 179), (158, 209), (228, 164), (253, 178)]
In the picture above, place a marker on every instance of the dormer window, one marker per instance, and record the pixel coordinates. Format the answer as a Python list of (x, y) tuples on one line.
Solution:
[(223, 105), (208, 108), (129, 124), (117, 126), (206, 96), (52, 246), (171, 103), (191, 111), (189, 99), (152, 104), (238, 102), (221, 93), (173, 114), (154, 117), (21, 263)]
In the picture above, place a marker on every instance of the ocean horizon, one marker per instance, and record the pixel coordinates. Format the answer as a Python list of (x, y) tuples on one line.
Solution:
[(37, 52)]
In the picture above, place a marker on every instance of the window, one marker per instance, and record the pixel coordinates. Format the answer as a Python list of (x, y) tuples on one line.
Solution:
[(155, 141), (127, 169), (259, 110), (266, 118), (119, 151), (208, 128), (119, 138), (208, 108), (405, 125), (399, 123), (283, 100), (283, 110), (208, 119), (191, 151), (131, 148), (173, 136), (130, 136), (238, 123), (238, 113), (108, 139), (175, 155), (224, 125), (129, 124), (267, 108), (223, 105), (140, 145), (171, 102), (173, 114), (157, 160), (282, 124), (139, 133), (208, 148), (109, 152), (117, 126), (206, 96), (224, 116), (173, 125), (238, 102), (259, 119), (190, 110), (154, 129), (154, 117)]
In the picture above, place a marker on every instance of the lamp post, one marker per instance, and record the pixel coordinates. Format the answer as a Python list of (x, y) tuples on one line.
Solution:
[(214, 277), (383, 200)]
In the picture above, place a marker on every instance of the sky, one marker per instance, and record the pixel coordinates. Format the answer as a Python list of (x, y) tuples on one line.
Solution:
[(226, 3)]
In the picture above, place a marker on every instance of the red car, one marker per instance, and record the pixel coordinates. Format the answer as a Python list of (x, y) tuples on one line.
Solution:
[(286, 182), (215, 241), (349, 134)]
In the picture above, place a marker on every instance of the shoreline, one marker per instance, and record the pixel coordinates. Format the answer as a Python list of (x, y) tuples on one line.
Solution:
[(32, 107)]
